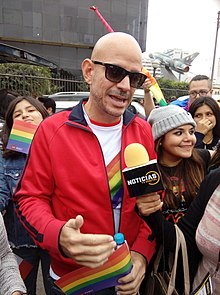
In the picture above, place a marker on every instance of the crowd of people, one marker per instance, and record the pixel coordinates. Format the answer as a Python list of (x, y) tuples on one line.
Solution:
[(63, 202)]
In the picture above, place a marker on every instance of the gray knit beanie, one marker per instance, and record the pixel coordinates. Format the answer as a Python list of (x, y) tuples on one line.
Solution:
[(164, 119)]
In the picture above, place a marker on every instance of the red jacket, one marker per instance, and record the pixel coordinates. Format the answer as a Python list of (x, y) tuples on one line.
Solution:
[(66, 175)]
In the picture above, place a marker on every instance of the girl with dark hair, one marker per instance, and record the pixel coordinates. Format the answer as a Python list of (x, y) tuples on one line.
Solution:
[(12, 163), (206, 113), (25, 109), (182, 166)]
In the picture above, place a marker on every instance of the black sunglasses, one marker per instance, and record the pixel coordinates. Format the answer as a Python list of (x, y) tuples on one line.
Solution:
[(116, 74)]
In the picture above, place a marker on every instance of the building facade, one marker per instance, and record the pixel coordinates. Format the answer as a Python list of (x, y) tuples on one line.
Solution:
[(65, 31)]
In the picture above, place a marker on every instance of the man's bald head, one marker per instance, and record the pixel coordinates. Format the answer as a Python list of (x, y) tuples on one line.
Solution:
[(116, 44), (111, 74)]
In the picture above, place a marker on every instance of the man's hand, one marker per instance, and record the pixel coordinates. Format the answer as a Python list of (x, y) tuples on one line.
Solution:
[(149, 203), (90, 250), (130, 284)]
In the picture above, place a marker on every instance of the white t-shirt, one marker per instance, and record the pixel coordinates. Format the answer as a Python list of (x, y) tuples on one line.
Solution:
[(110, 140)]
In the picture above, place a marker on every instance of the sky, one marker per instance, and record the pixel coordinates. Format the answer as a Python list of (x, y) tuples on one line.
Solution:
[(189, 25)]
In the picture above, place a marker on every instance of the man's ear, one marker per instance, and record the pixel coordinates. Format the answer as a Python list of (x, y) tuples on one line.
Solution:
[(87, 69)]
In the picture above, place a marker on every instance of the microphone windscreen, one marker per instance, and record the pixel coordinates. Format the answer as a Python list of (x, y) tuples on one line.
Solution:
[(135, 155)]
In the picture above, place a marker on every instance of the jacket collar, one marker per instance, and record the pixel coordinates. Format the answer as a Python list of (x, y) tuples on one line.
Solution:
[(77, 115)]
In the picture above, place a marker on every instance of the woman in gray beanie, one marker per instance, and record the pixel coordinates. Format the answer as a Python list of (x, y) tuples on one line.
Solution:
[(167, 118), (182, 167)]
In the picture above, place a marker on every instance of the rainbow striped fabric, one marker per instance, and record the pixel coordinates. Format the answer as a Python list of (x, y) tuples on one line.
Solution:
[(115, 181), (21, 136), (87, 280)]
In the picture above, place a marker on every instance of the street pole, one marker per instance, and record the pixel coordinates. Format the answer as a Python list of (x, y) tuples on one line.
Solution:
[(215, 47)]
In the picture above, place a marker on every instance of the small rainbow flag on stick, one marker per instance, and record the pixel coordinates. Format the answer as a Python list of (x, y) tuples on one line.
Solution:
[(21, 136), (87, 280)]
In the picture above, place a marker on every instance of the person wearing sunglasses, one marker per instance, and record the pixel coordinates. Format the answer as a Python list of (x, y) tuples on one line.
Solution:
[(73, 177)]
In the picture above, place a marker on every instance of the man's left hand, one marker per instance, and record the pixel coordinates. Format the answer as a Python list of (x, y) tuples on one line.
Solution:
[(130, 284)]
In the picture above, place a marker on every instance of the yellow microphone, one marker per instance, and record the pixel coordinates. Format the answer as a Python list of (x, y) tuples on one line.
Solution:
[(135, 155), (141, 175)]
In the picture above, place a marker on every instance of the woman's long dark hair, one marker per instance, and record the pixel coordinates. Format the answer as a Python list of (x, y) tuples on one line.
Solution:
[(9, 120), (210, 102), (190, 170)]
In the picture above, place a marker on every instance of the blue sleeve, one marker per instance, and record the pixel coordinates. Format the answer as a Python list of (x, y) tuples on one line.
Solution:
[(180, 103), (5, 194)]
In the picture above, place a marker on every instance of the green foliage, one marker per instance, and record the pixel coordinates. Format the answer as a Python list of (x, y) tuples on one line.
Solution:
[(172, 89), (27, 79)]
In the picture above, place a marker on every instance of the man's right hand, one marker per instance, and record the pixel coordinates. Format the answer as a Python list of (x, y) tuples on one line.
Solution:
[(90, 250)]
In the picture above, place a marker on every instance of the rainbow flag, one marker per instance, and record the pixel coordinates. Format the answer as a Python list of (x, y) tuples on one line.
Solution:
[(21, 136), (155, 88), (115, 181), (85, 280)]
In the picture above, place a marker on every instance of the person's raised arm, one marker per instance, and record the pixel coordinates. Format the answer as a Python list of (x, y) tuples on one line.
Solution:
[(148, 98)]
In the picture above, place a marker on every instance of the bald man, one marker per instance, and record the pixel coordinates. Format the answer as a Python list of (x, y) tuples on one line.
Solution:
[(72, 197)]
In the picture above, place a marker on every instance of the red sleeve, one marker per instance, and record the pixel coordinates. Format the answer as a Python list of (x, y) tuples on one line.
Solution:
[(145, 242)]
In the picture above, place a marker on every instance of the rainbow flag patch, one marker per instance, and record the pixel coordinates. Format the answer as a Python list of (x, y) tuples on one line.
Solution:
[(21, 136), (88, 280)]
